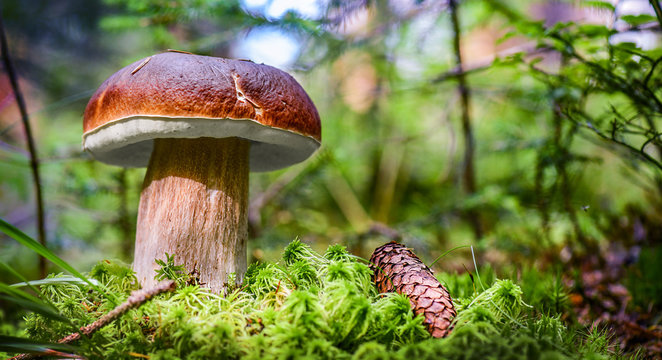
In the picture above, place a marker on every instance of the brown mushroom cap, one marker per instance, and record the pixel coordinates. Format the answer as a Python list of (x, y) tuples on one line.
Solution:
[(180, 95)]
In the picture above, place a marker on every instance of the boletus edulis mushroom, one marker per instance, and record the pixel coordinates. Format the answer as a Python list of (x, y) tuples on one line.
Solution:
[(199, 124)]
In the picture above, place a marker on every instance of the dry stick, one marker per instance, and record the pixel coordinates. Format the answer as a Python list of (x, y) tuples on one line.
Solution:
[(137, 298), (468, 176), (34, 161)]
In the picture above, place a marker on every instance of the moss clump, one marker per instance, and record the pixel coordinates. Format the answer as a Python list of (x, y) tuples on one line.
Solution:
[(308, 306)]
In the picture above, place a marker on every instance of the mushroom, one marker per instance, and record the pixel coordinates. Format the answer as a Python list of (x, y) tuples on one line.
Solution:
[(199, 124)]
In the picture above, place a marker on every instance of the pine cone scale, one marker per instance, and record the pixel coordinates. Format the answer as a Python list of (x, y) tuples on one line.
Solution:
[(398, 269)]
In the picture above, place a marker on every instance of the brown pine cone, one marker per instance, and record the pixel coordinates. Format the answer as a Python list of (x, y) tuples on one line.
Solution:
[(396, 268)]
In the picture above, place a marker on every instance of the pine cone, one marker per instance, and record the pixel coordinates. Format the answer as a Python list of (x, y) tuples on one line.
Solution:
[(397, 268)]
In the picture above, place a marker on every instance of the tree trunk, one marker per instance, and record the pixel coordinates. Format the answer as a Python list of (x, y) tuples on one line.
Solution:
[(468, 168), (194, 205)]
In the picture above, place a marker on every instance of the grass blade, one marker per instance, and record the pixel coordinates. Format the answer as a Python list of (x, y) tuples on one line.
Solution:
[(14, 344), (35, 307), (66, 279), (447, 252), (33, 245), (13, 292), (20, 277), (31, 302)]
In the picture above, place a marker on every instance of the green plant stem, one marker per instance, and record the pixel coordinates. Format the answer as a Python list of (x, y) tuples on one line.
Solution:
[(473, 257), (34, 161), (448, 252)]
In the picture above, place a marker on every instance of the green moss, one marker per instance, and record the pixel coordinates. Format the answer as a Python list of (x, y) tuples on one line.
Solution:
[(309, 306)]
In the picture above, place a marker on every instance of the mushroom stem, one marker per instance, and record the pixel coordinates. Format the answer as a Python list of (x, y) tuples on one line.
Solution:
[(194, 205)]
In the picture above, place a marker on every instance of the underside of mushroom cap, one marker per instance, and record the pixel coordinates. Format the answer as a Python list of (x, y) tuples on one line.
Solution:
[(129, 142), (179, 95)]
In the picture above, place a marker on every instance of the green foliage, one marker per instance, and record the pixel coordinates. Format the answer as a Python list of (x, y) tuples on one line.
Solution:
[(620, 72), (14, 344), (116, 276), (545, 291), (169, 271), (542, 120), (288, 311), (33, 245), (643, 279)]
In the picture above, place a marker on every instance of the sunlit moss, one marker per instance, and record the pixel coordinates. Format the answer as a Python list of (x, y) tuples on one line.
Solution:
[(310, 306)]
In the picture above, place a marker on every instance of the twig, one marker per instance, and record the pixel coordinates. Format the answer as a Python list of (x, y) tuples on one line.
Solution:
[(622, 144), (137, 298), (13, 148), (644, 96), (650, 139), (528, 49), (34, 161), (652, 69), (658, 10)]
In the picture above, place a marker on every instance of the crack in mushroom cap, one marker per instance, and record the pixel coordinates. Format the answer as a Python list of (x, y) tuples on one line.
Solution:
[(179, 95)]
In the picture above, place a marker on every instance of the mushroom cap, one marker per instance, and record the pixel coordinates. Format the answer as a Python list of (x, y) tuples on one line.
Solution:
[(181, 95)]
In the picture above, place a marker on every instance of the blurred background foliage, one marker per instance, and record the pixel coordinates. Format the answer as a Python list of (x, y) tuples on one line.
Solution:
[(537, 142)]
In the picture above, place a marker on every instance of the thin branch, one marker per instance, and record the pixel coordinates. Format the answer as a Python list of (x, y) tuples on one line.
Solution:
[(527, 49), (623, 144), (13, 149), (137, 298), (658, 10), (648, 141), (637, 53), (650, 72), (34, 161), (457, 72), (612, 79)]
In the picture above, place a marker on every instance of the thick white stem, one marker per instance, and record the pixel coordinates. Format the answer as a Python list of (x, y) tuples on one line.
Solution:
[(194, 205)]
